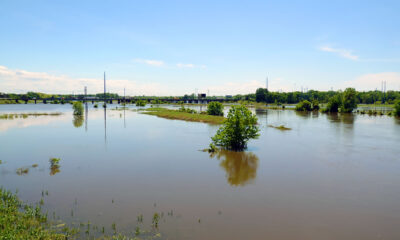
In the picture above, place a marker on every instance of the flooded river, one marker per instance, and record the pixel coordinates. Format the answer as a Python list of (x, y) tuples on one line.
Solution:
[(329, 177)]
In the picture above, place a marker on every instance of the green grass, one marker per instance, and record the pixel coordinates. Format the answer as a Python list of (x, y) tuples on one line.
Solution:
[(375, 105), (20, 221), (281, 127), (185, 116)]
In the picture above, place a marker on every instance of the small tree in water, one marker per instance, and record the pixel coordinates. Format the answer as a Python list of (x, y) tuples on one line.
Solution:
[(237, 130), (215, 108), (78, 108), (397, 108), (349, 100)]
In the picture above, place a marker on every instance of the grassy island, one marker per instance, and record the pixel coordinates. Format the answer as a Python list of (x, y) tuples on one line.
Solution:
[(184, 115)]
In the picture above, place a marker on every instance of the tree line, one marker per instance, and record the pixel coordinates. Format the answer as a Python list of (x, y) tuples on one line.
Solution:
[(261, 95), (368, 97)]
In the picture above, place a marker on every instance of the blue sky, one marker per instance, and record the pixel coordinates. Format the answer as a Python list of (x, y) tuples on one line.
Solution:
[(175, 47)]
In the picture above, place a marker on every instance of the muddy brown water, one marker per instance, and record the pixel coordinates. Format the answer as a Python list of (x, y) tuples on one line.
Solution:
[(329, 177)]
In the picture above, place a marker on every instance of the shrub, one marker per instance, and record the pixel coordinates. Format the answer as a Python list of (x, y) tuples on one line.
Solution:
[(141, 103), (188, 110), (315, 105), (349, 100), (237, 130), (303, 106), (215, 108), (397, 108), (78, 108), (333, 104)]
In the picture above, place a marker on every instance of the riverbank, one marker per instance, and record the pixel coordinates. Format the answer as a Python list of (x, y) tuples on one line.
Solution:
[(181, 115)]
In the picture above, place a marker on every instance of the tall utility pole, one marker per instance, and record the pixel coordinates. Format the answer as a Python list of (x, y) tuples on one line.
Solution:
[(266, 85), (104, 89)]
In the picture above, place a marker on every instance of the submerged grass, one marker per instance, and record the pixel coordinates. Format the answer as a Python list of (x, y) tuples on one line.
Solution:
[(26, 115), (281, 127), (186, 116), (20, 221)]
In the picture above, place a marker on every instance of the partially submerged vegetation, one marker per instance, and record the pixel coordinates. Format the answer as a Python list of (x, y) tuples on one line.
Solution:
[(54, 166), (21, 221), (141, 103), (281, 127), (184, 114), (215, 108), (397, 108), (307, 106), (78, 108), (26, 115), (237, 130)]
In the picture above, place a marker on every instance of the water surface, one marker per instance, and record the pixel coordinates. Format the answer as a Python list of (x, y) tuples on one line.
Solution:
[(330, 177)]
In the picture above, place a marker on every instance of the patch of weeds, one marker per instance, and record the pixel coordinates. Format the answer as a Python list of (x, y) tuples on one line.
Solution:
[(156, 219), (54, 166), (140, 218), (281, 127), (22, 171)]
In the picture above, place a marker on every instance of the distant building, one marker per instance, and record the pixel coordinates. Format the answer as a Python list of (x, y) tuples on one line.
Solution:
[(201, 95)]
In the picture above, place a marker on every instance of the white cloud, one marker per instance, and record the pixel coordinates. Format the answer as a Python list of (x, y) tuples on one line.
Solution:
[(341, 52), (156, 63), (373, 81), (20, 81), (190, 65), (182, 65)]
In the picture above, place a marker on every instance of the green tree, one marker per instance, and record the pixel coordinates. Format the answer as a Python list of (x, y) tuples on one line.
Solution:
[(315, 105), (78, 108), (303, 106), (141, 103), (261, 95), (215, 108), (333, 104), (397, 108), (349, 100), (237, 130)]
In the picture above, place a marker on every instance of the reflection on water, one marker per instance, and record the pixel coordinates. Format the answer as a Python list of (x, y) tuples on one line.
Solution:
[(86, 116), (78, 121), (54, 170), (105, 126), (54, 166), (240, 167), (346, 118)]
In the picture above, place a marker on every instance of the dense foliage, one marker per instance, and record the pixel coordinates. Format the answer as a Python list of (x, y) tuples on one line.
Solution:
[(370, 97), (349, 101), (261, 95), (333, 104), (237, 130), (304, 105), (141, 103), (397, 108), (78, 108), (215, 108)]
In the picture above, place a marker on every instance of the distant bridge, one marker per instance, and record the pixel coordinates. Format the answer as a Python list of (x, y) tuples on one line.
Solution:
[(122, 100)]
